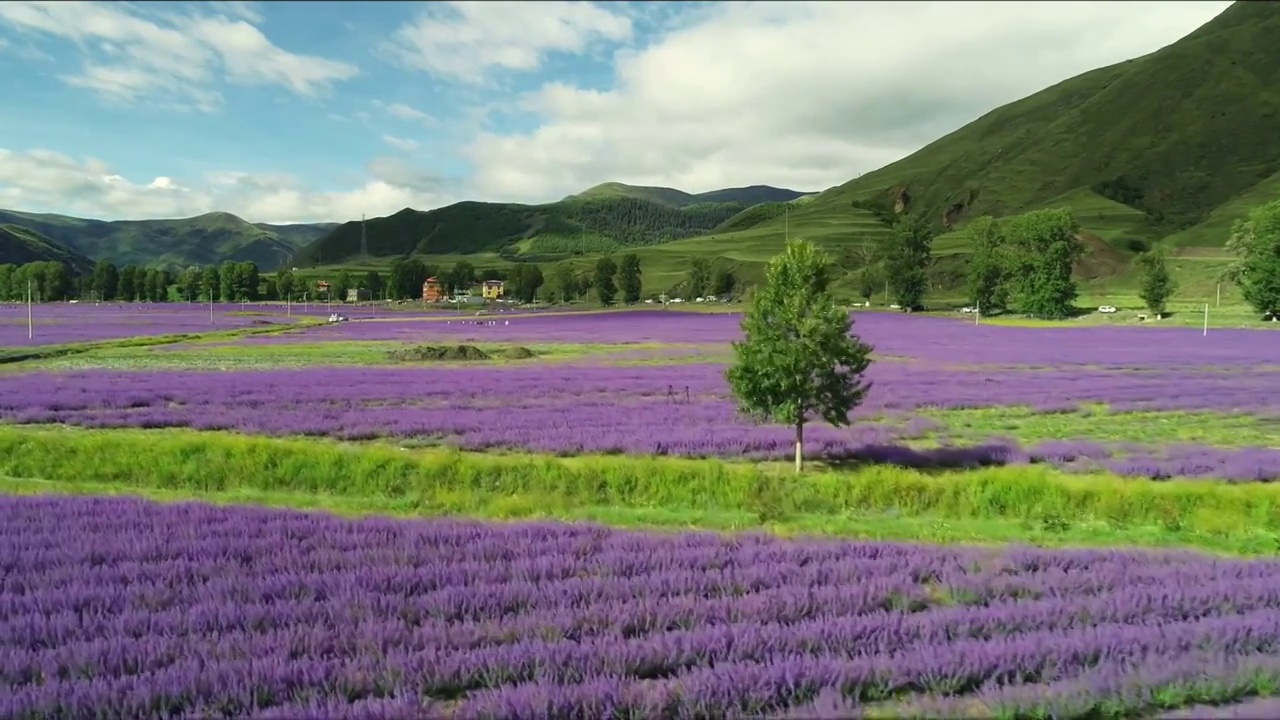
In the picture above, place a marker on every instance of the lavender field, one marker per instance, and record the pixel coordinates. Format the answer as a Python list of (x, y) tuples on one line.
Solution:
[(140, 610), (64, 323), (1141, 402)]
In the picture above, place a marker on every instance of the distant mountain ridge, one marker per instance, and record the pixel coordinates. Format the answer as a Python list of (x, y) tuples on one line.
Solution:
[(602, 219), (202, 240)]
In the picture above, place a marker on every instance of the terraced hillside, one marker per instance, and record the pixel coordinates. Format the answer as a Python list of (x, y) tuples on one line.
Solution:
[(203, 240), (20, 245), (604, 219)]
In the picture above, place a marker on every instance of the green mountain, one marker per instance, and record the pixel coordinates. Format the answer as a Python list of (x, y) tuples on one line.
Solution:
[(604, 219), (20, 245), (752, 195), (1145, 149), (1170, 148), (202, 240)]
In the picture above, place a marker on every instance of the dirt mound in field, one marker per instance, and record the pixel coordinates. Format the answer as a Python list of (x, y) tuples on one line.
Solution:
[(439, 353), (456, 353)]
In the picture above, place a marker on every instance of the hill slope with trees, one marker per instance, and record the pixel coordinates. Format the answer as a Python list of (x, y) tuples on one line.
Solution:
[(20, 246)]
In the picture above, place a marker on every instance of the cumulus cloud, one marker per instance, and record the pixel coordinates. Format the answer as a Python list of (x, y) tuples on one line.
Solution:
[(167, 57), (807, 95), (464, 41), (44, 180)]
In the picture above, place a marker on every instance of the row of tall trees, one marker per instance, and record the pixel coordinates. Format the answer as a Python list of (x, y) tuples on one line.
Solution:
[(228, 282), (46, 281)]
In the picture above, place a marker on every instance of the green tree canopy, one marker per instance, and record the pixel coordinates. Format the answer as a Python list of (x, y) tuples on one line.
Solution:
[(1043, 249), (799, 359), (1256, 245), (988, 265), (723, 283), (606, 289), (908, 253), (1156, 286), (699, 279), (629, 280)]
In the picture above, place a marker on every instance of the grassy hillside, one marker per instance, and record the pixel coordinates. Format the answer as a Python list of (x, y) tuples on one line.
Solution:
[(202, 240), (605, 219), (20, 245), (1167, 149), (1177, 135)]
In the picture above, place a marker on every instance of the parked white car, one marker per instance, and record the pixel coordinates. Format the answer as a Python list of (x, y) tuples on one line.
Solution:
[(335, 317), (1107, 309)]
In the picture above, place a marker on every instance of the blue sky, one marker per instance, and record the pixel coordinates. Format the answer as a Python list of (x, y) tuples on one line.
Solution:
[(304, 111)]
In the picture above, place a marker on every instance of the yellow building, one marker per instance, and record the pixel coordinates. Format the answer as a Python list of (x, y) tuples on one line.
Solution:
[(491, 289)]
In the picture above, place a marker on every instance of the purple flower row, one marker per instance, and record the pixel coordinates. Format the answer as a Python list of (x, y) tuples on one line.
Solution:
[(144, 610), (675, 410)]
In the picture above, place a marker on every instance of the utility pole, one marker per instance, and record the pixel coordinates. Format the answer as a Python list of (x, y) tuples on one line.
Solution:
[(364, 239), (31, 328)]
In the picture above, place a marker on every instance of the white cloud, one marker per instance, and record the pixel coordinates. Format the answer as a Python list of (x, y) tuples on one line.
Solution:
[(400, 143), (804, 95), (47, 181), (174, 59), (468, 39), (400, 111), (247, 11)]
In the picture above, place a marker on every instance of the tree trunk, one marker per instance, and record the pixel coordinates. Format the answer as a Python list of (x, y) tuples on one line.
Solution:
[(799, 446)]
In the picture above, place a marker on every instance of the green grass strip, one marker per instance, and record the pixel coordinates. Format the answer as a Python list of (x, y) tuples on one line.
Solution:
[(1030, 504)]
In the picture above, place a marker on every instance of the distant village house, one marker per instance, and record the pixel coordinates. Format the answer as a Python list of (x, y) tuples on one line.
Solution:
[(492, 289), (432, 291)]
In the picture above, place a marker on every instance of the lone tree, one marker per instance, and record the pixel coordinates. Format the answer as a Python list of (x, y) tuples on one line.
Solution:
[(699, 279), (1156, 286), (1256, 245), (799, 358), (868, 283), (723, 282), (629, 278), (908, 253), (606, 290), (987, 265)]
